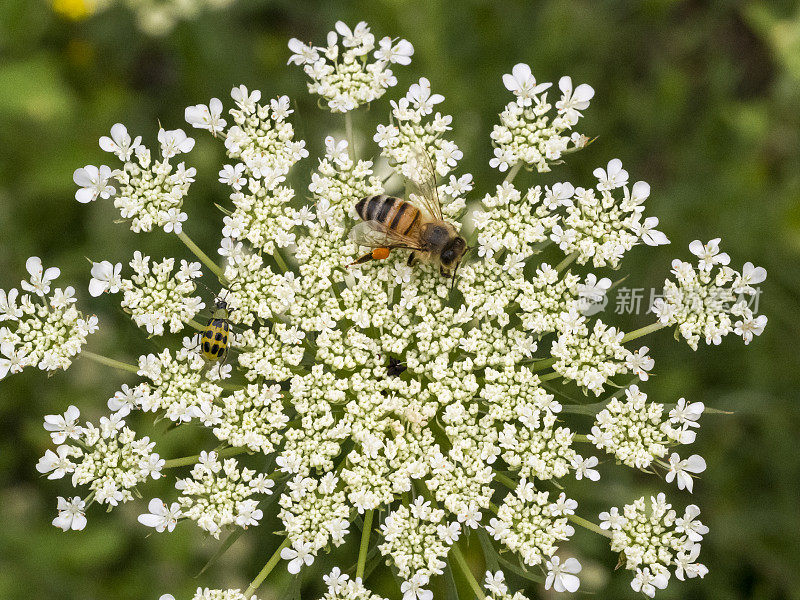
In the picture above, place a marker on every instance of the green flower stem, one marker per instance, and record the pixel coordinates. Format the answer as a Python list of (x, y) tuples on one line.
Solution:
[(566, 262), (543, 364), (505, 480), (194, 324), (204, 258), (578, 437), (513, 173), (190, 460), (642, 332), (462, 564), (279, 259), (362, 551), (348, 125), (110, 362), (549, 376), (588, 525), (262, 574)]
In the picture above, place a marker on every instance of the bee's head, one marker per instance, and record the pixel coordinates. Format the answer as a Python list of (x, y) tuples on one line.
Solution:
[(453, 252)]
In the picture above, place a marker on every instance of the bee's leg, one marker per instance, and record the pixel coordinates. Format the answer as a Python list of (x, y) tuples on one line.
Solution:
[(412, 259), (376, 254)]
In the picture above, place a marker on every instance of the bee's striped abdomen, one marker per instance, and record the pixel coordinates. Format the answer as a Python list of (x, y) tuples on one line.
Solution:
[(395, 213)]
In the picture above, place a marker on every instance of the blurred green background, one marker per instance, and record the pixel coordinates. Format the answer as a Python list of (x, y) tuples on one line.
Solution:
[(700, 99)]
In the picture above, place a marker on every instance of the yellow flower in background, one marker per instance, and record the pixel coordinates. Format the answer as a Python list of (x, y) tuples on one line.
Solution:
[(75, 10)]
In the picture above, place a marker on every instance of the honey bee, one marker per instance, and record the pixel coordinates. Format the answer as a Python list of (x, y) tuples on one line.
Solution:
[(389, 222)]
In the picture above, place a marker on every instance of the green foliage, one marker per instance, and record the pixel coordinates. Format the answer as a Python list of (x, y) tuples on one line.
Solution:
[(699, 99)]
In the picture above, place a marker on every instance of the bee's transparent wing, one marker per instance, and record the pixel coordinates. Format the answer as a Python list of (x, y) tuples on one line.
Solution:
[(377, 235), (421, 182)]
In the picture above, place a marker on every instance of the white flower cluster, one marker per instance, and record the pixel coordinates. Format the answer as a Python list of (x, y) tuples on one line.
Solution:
[(109, 459), (382, 386), (179, 385), (151, 192), (531, 443), (315, 513), (590, 358), (703, 303), (209, 594), (652, 539), (217, 495), (261, 142), (153, 17), (252, 417), (39, 329), (416, 129), (343, 75), (635, 432), (341, 587), (154, 296), (602, 229), (527, 134), (529, 524), (418, 538), (561, 577)]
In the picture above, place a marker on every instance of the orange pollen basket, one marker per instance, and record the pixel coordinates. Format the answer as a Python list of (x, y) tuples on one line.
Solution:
[(380, 253)]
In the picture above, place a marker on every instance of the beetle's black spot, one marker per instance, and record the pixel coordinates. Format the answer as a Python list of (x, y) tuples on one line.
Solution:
[(218, 337), (225, 340), (214, 348), (221, 351), (207, 333), (217, 322), (225, 325), (207, 347)]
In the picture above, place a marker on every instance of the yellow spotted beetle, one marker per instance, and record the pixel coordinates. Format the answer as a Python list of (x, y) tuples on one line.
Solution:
[(214, 341)]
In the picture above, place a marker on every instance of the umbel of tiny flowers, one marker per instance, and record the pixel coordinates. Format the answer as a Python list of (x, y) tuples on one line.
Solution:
[(342, 73), (381, 403), (40, 329), (652, 539)]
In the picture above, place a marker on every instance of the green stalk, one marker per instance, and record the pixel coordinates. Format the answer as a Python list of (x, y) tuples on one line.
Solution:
[(464, 567), (642, 332), (351, 144), (505, 480), (543, 364), (279, 259), (566, 262), (190, 460), (110, 362), (588, 525), (362, 551), (512, 173), (262, 574), (194, 324), (204, 258)]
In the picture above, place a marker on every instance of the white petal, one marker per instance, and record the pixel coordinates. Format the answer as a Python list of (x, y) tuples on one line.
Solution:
[(150, 520)]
